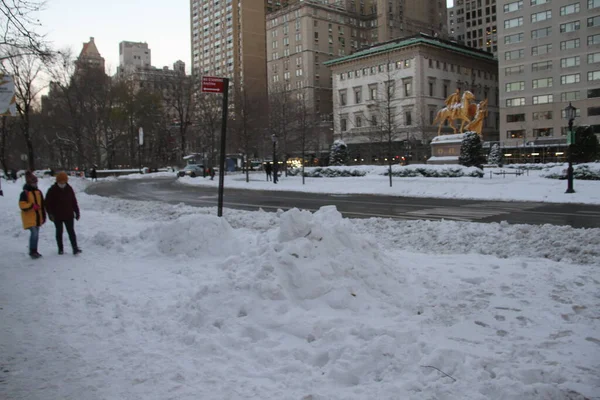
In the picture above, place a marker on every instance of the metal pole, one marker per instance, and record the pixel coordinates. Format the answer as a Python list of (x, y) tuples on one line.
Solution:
[(223, 146), (570, 159), (275, 167)]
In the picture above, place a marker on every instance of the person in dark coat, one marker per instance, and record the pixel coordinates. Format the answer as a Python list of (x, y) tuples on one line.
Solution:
[(93, 174), (268, 170), (33, 214), (62, 208)]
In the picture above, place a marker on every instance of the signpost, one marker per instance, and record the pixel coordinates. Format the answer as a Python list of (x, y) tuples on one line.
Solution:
[(212, 84)]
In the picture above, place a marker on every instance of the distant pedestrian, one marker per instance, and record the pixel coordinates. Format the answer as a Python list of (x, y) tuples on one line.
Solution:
[(33, 214), (275, 173), (212, 173), (94, 174), (13, 175), (268, 170), (62, 208)]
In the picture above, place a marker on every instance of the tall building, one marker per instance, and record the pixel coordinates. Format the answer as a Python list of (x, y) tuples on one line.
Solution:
[(228, 40), (90, 56), (473, 23), (549, 56), (303, 34), (400, 86), (134, 53)]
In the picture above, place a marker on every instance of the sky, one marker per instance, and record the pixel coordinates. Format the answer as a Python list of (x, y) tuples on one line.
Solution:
[(165, 26), (169, 301)]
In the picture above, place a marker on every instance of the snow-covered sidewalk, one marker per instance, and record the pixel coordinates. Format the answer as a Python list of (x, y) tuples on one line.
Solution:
[(171, 302)]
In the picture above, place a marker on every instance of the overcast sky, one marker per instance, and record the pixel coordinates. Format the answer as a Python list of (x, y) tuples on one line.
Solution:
[(164, 25)]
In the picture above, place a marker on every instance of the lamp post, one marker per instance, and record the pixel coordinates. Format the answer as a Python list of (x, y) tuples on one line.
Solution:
[(570, 112), (275, 167)]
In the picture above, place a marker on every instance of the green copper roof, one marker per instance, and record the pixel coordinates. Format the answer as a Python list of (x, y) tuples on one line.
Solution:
[(407, 42)]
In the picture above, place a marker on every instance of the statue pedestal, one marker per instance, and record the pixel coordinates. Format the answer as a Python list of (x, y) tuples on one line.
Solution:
[(445, 149)]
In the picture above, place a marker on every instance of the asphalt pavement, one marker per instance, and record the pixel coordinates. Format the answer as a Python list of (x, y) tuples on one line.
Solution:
[(357, 206)]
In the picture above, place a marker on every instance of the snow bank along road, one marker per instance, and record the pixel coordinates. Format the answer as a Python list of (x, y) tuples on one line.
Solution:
[(357, 206)]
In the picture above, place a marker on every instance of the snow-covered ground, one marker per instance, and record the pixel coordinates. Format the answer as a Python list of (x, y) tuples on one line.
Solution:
[(172, 302), (529, 187)]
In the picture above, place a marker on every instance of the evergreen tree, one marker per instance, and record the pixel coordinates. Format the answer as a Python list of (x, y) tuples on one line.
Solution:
[(470, 150), (586, 147), (339, 153), (495, 156)]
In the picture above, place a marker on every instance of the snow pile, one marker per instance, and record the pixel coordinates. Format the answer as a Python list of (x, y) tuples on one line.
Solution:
[(169, 301), (587, 171)]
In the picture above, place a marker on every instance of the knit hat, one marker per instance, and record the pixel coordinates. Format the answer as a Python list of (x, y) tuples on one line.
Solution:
[(62, 177), (30, 178)]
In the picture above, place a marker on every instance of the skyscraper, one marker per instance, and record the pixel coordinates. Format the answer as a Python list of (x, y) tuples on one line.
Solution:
[(473, 23), (228, 40), (549, 56)]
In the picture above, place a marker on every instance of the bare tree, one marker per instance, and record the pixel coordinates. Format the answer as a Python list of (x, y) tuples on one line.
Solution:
[(178, 97), (18, 37), (249, 113), (281, 118), (306, 123), (25, 71), (208, 116)]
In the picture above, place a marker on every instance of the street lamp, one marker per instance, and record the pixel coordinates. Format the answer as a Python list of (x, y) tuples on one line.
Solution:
[(275, 167), (570, 113)]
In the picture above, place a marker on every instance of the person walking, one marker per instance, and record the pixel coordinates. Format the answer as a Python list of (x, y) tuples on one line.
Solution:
[(33, 214), (268, 170), (94, 174), (62, 208)]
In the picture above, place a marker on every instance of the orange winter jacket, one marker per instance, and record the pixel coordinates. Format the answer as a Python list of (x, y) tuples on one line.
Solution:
[(31, 203)]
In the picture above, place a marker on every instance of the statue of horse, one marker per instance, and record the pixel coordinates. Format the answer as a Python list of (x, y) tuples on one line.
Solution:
[(477, 124), (463, 110)]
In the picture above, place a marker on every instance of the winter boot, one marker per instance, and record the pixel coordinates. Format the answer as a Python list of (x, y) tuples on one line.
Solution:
[(34, 254), (76, 251)]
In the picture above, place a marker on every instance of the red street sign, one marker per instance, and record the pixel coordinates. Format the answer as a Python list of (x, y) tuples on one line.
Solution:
[(212, 84)]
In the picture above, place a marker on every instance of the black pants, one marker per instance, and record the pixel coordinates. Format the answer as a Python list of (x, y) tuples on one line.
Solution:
[(70, 231)]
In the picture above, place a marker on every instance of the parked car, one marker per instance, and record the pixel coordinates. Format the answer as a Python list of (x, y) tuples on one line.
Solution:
[(192, 170)]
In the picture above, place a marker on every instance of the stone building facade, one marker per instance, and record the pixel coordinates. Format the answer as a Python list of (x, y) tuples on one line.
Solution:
[(399, 86)]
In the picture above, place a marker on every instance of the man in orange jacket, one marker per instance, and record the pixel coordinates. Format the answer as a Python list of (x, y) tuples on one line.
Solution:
[(33, 214)]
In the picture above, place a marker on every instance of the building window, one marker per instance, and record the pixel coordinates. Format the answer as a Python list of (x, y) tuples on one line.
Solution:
[(373, 92), (518, 134), (593, 21), (516, 102), (407, 88), (445, 91), (514, 54), (515, 118), (343, 100), (569, 44), (513, 23), (542, 83), (543, 132), (357, 95), (358, 120), (513, 70), (373, 120), (543, 99), (514, 6), (569, 96), (541, 16), (569, 27), (538, 2), (569, 62), (593, 40), (343, 123), (593, 4), (570, 9), (541, 33), (542, 49), (569, 79), (593, 111), (593, 58), (515, 86), (511, 39), (408, 117), (431, 88), (593, 75), (593, 93), (541, 66), (542, 115)]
